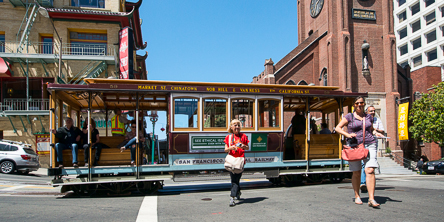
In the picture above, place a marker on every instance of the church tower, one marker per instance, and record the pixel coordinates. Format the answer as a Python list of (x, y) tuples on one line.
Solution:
[(345, 43)]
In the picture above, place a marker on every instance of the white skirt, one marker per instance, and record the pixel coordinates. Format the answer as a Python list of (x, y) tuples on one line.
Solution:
[(371, 160)]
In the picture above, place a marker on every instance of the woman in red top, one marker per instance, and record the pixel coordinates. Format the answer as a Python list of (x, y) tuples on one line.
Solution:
[(235, 144)]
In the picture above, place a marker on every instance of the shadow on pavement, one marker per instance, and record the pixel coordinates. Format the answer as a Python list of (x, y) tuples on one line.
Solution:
[(251, 200)]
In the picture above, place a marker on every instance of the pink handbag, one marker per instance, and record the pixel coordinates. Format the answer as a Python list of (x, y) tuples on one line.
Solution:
[(357, 153)]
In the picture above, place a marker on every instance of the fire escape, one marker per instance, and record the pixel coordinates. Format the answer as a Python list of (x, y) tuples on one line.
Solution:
[(25, 53)]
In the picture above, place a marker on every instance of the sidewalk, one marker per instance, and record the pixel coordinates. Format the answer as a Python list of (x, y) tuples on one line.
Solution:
[(41, 172)]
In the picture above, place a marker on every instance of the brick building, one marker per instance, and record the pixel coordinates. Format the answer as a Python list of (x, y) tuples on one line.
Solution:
[(350, 44), (34, 35)]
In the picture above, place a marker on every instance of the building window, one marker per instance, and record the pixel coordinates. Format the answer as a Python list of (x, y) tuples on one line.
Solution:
[(402, 33), (243, 110), (2, 42), (431, 36), (417, 61), (402, 16), (88, 43), (432, 55), (47, 43), (415, 8), (186, 113), (401, 2), (429, 2), (269, 113), (403, 49), (416, 26), (215, 113), (88, 3), (416, 43), (442, 11), (404, 64), (430, 18)]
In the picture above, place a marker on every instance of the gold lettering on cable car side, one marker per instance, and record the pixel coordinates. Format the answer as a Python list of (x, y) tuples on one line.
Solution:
[(211, 89), (249, 90), (222, 89), (113, 86), (147, 87), (163, 88), (185, 88)]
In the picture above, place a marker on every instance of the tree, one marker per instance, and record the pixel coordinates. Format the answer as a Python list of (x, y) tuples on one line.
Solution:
[(427, 116)]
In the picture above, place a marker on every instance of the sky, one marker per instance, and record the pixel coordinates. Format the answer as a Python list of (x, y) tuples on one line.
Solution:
[(215, 40)]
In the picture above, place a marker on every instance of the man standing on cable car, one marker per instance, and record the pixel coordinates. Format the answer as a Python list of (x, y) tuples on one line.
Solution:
[(118, 123)]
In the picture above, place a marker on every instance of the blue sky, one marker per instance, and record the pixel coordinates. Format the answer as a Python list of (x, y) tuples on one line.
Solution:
[(215, 40)]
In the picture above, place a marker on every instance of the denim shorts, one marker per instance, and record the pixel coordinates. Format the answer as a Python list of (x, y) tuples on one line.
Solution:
[(371, 160)]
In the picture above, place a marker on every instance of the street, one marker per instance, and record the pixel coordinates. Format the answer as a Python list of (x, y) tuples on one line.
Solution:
[(402, 198)]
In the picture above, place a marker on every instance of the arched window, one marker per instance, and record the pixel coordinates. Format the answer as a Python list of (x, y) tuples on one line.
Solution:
[(302, 82), (290, 82), (323, 77)]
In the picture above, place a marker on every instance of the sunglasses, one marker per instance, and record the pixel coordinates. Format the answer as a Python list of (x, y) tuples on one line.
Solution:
[(359, 103)]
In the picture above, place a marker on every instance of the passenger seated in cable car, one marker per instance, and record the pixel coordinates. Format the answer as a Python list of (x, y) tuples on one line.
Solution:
[(95, 141), (68, 136), (131, 137), (324, 129)]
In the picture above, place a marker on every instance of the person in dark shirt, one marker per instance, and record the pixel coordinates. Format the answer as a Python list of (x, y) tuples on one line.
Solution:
[(95, 142), (419, 165), (68, 137), (298, 123), (324, 129)]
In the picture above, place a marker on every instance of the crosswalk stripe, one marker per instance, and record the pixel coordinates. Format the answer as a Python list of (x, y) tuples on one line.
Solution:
[(148, 209), (14, 187)]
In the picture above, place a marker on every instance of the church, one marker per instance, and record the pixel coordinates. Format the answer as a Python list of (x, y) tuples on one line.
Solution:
[(350, 44)]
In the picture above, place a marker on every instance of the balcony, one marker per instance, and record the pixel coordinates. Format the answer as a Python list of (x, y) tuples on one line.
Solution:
[(70, 51), (14, 107)]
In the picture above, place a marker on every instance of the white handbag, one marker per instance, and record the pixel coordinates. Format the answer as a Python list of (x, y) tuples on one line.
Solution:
[(234, 164)]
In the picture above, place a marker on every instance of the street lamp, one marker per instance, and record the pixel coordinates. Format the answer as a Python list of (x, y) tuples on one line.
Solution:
[(153, 118), (45, 14)]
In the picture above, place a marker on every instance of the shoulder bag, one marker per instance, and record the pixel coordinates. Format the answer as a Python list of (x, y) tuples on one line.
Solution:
[(234, 164), (355, 153)]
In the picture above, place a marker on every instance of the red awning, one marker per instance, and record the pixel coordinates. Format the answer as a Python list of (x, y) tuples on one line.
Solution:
[(4, 71)]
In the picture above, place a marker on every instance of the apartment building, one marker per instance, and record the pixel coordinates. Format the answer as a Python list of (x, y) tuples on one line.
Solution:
[(62, 41), (419, 30)]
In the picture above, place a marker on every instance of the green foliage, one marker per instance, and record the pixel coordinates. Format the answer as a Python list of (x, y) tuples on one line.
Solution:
[(427, 116), (388, 150)]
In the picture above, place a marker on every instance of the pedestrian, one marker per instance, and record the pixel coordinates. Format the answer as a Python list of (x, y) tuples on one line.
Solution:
[(95, 142), (354, 123), (235, 145), (377, 125), (419, 165), (298, 123), (68, 136)]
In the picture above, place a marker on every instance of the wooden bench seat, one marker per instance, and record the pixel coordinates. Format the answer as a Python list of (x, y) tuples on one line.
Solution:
[(109, 156), (322, 146)]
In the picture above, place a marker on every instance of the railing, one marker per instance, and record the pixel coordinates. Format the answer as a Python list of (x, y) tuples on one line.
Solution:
[(67, 48), (20, 104), (409, 164)]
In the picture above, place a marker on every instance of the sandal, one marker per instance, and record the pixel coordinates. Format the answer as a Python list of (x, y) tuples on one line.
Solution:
[(122, 149), (358, 201), (373, 203)]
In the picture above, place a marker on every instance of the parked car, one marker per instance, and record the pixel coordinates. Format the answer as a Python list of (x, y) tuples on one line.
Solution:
[(435, 166), (17, 156)]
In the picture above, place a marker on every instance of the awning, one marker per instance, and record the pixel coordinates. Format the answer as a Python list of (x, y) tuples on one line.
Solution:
[(4, 71)]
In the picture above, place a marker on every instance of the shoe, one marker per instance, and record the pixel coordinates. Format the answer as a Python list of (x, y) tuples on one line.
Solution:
[(373, 203), (86, 164), (358, 201), (75, 165), (60, 166), (232, 203), (363, 188), (238, 196), (132, 163), (122, 149)]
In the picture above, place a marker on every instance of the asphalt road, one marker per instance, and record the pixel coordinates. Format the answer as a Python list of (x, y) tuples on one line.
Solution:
[(402, 198)]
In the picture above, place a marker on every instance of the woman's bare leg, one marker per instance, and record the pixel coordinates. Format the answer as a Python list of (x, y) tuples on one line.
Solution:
[(356, 181), (371, 182)]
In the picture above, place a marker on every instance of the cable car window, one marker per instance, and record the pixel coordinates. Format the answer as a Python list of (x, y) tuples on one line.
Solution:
[(215, 113), (186, 113), (269, 113), (242, 109)]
